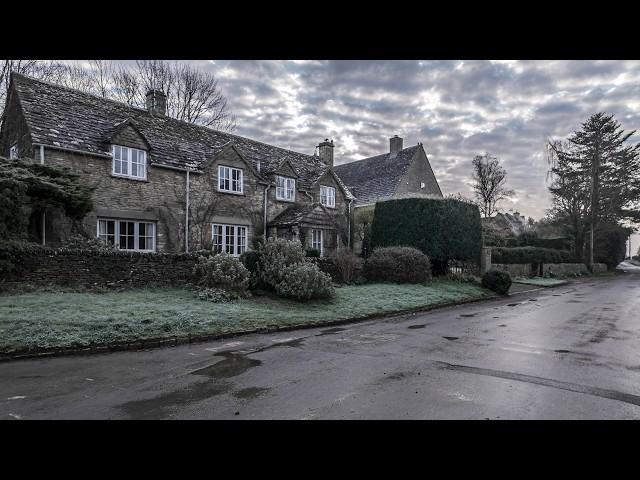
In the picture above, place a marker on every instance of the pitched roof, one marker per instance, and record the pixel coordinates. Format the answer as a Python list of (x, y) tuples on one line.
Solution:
[(375, 178), (62, 117), (297, 213)]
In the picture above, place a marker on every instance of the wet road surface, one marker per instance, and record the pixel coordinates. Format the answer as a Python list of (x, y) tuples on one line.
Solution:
[(570, 352)]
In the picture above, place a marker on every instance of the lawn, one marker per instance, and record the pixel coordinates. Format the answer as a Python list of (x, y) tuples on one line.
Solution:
[(62, 319)]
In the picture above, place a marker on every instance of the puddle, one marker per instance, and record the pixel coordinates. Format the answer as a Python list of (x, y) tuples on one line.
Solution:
[(251, 392), (574, 301), (159, 407), (413, 327), (513, 305), (502, 325), (234, 364), (533, 299), (562, 351), (330, 331), (468, 314), (451, 338)]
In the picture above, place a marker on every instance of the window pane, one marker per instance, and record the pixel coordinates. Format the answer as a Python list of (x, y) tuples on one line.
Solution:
[(242, 240), (229, 239)]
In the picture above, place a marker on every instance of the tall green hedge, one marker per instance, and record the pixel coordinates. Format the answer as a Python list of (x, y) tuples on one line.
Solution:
[(529, 255), (444, 229)]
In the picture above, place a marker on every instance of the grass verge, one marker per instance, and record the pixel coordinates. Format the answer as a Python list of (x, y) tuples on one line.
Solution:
[(46, 320), (541, 281)]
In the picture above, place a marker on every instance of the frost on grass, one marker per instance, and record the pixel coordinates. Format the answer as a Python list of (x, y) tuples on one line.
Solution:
[(55, 319)]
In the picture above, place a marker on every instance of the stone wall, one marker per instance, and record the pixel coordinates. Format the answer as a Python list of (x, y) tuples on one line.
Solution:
[(516, 269), (564, 269), (600, 268), (90, 269)]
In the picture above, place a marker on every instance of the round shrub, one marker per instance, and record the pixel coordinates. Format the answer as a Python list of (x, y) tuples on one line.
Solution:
[(275, 256), (497, 281), (222, 271), (398, 265), (305, 281), (217, 295)]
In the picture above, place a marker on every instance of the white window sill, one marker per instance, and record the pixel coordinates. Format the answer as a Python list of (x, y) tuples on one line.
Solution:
[(231, 192), (285, 200), (137, 179)]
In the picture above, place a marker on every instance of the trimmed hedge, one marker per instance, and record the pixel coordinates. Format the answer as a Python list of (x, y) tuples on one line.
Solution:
[(398, 265), (529, 255), (497, 281), (443, 229)]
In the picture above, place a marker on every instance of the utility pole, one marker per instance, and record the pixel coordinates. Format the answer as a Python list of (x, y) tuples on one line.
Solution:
[(595, 167)]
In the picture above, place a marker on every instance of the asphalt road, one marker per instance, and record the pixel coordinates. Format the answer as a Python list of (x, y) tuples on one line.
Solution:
[(569, 352)]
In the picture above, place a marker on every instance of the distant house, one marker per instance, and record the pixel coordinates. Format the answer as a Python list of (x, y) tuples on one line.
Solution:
[(399, 173), (507, 224)]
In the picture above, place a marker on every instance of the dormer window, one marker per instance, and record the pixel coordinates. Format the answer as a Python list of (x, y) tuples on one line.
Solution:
[(285, 189), (229, 179), (13, 151), (328, 196), (129, 162)]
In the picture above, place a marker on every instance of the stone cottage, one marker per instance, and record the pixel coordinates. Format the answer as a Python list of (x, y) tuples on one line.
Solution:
[(161, 184), (145, 168)]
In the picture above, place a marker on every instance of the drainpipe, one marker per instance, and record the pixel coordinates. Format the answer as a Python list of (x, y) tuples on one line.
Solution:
[(349, 224), (186, 217), (264, 229), (44, 217)]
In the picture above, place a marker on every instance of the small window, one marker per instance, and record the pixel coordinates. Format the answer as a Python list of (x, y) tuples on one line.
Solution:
[(231, 239), (229, 179), (127, 234), (421, 184), (285, 189), (129, 162), (13, 151), (328, 196), (316, 240)]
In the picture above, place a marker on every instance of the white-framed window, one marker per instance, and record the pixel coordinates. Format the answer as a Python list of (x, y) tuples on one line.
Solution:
[(285, 189), (316, 240), (229, 238), (229, 179), (328, 196), (127, 234), (129, 162), (13, 151)]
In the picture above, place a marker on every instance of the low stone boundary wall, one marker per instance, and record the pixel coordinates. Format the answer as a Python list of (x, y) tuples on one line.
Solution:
[(516, 269), (563, 269), (600, 268), (91, 269)]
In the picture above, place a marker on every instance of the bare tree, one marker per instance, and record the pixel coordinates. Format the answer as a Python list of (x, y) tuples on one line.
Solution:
[(490, 183), (44, 70)]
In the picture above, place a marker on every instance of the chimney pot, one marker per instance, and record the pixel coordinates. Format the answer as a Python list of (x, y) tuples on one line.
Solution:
[(157, 103), (395, 144)]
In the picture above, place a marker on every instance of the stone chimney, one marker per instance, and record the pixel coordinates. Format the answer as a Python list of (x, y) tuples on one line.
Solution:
[(325, 150), (157, 103), (395, 144)]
